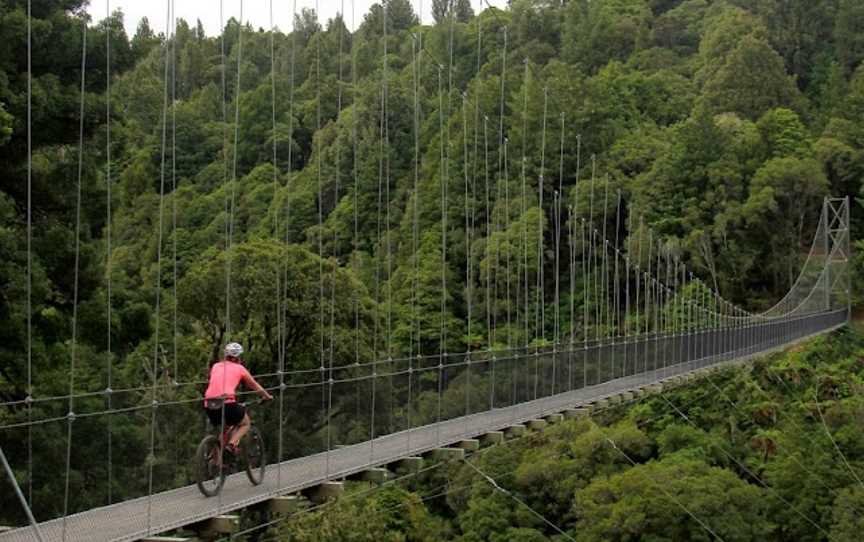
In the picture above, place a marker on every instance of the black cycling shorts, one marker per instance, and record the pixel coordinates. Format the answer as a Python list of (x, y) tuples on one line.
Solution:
[(234, 414)]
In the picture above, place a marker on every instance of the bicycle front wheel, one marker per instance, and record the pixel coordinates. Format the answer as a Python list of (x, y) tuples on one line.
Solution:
[(209, 471), (256, 459)]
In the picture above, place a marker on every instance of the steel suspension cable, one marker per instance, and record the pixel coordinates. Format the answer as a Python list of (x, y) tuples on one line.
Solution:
[(498, 218), (379, 245), (832, 439), (280, 284), (569, 254), (503, 173), (637, 271), (355, 210), (560, 204), (151, 458), (541, 297), (476, 153), (174, 370), (468, 281), (792, 456), (108, 259), (29, 250), (490, 337), (591, 285), (385, 91), (174, 337), (537, 514), (627, 265), (442, 345), (320, 235), (335, 251), (224, 74), (557, 312), (668, 494), (604, 279), (229, 255), (490, 268), (800, 430), (524, 207), (415, 334), (585, 304), (508, 269), (74, 353), (750, 473), (571, 232), (20, 495), (616, 321)]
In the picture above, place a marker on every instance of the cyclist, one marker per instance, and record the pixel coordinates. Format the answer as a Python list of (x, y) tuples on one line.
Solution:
[(225, 376)]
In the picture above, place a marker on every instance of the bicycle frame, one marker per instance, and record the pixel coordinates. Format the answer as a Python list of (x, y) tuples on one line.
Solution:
[(226, 429)]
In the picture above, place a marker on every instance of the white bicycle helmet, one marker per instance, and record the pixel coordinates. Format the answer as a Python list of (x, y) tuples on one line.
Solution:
[(233, 350)]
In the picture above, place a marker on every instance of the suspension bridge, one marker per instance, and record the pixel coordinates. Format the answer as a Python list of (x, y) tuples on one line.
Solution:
[(645, 319), (480, 396)]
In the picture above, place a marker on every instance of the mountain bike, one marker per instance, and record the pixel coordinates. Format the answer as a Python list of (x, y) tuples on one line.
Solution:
[(214, 463)]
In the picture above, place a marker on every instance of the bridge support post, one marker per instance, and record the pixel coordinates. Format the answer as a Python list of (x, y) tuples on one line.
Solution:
[(375, 476), (286, 504), (469, 445), (324, 492), (537, 425), (577, 413), (169, 539), (447, 454), (492, 437), (514, 431), (600, 404), (216, 526), (554, 418), (409, 464)]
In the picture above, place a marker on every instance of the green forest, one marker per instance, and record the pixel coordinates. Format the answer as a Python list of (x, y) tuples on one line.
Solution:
[(412, 188)]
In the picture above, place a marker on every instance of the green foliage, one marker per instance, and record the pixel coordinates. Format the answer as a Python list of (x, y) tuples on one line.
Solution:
[(5, 125), (847, 35), (656, 501), (751, 81), (598, 32), (848, 515), (723, 124), (670, 467), (784, 193), (783, 133), (392, 515)]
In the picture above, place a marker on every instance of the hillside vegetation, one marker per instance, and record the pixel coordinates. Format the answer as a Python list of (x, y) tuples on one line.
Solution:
[(743, 453), (325, 203)]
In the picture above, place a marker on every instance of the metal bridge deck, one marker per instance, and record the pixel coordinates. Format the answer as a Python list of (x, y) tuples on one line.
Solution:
[(141, 517)]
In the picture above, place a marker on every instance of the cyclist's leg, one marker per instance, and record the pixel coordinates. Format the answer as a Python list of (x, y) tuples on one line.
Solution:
[(240, 430), (238, 421)]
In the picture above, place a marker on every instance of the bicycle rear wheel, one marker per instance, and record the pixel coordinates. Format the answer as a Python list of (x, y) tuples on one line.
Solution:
[(256, 459), (209, 471)]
